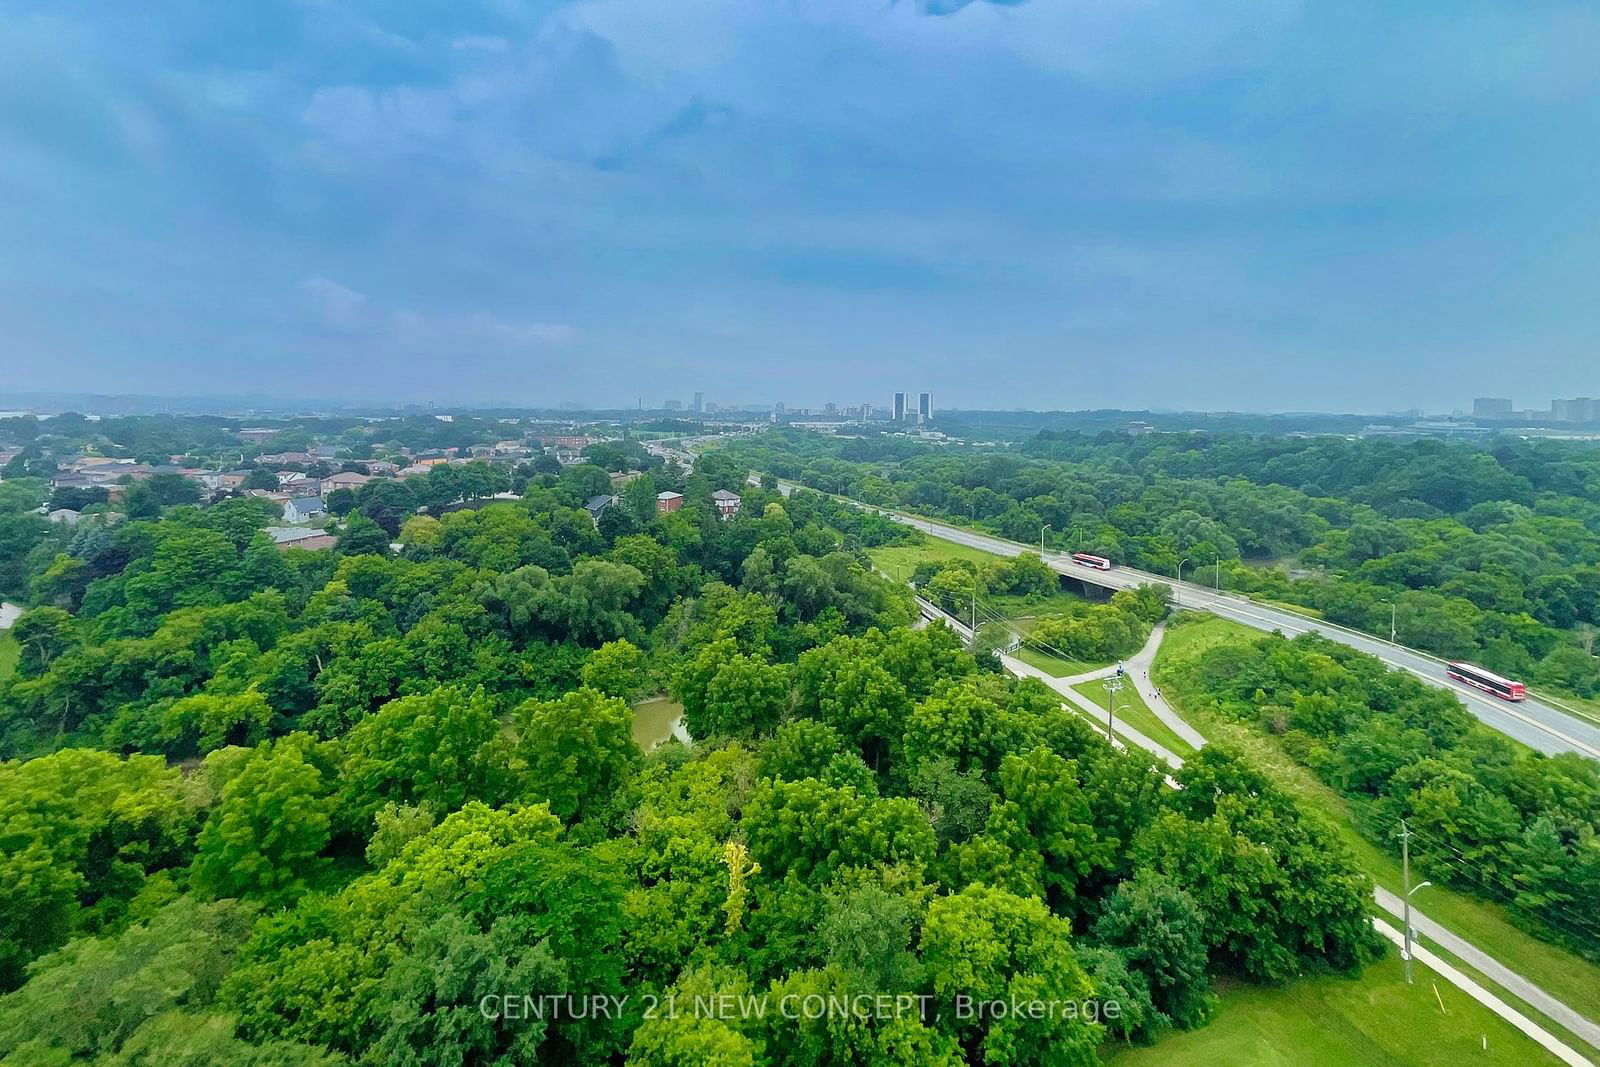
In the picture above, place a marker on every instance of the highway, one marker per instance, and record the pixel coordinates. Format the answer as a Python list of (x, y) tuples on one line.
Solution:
[(1533, 722)]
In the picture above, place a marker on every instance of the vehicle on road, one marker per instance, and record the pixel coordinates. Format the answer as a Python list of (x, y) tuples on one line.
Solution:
[(1488, 681), (1099, 563)]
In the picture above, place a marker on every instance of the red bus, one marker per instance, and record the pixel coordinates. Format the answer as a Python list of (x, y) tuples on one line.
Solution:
[(1099, 563), (1488, 681)]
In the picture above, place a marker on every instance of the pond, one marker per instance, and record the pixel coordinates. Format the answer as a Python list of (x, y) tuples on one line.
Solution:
[(656, 720)]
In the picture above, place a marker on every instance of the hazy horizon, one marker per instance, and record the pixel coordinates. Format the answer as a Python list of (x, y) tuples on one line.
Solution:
[(1264, 207)]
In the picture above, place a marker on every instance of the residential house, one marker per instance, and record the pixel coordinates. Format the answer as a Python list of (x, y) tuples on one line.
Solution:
[(299, 483), (668, 501), (344, 480), (283, 459), (412, 471), (285, 537), (303, 509), (727, 503), (64, 516), (382, 466), (596, 504)]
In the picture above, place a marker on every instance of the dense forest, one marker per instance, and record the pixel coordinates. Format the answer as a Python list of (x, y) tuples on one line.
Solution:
[(1487, 554), (357, 805)]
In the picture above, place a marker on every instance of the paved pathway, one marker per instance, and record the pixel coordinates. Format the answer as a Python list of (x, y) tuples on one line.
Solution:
[(1492, 968), (1091, 710), (1138, 668), (1139, 671), (1558, 1048)]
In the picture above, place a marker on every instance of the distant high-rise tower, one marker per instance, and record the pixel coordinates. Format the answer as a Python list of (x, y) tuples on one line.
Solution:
[(924, 407), (899, 407), (699, 402), (1491, 407), (778, 408)]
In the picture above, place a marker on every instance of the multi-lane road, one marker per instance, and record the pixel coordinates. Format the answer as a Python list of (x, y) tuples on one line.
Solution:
[(1537, 724)]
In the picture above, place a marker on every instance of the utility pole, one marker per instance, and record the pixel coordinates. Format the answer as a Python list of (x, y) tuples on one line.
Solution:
[(1405, 884), (1217, 581), (974, 620)]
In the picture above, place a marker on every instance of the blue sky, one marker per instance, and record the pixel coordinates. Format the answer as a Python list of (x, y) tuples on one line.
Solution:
[(1197, 203)]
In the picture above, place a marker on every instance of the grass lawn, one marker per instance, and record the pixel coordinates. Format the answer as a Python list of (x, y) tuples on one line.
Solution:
[(8, 653), (899, 561), (1375, 1018), (1054, 666), (1136, 714), (1186, 639), (1562, 974)]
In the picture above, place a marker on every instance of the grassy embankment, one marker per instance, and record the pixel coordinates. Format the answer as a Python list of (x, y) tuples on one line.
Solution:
[(1334, 1021), (1562, 974), (8, 653)]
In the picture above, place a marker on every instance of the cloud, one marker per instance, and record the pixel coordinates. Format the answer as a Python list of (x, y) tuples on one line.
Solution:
[(950, 7), (343, 312)]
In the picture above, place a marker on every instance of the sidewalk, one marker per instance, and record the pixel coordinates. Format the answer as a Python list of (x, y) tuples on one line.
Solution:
[(1533, 1030)]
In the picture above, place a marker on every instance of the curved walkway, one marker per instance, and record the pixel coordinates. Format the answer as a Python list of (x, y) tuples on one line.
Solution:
[(1137, 668)]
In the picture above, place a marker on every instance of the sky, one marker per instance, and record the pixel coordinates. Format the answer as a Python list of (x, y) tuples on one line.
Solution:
[(1197, 204)]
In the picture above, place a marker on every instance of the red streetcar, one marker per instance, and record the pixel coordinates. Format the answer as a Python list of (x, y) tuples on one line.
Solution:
[(1488, 681), (1099, 563)]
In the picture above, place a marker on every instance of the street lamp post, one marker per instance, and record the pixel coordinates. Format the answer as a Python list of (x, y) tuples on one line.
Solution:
[(1113, 686), (1042, 529), (1217, 581), (1181, 562), (1392, 609), (1408, 889)]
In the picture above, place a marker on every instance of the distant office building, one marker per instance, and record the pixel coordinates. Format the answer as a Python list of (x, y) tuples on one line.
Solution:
[(1578, 409), (924, 407), (1491, 407), (830, 409), (778, 409), (899, 407), (699, 402), (673, 405)]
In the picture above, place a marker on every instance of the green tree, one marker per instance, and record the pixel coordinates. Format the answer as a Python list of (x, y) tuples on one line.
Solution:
[(990, 945), (1158, 930), (265, 837), (439, 750), (617, 669), (579, 750), (361, 536)]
